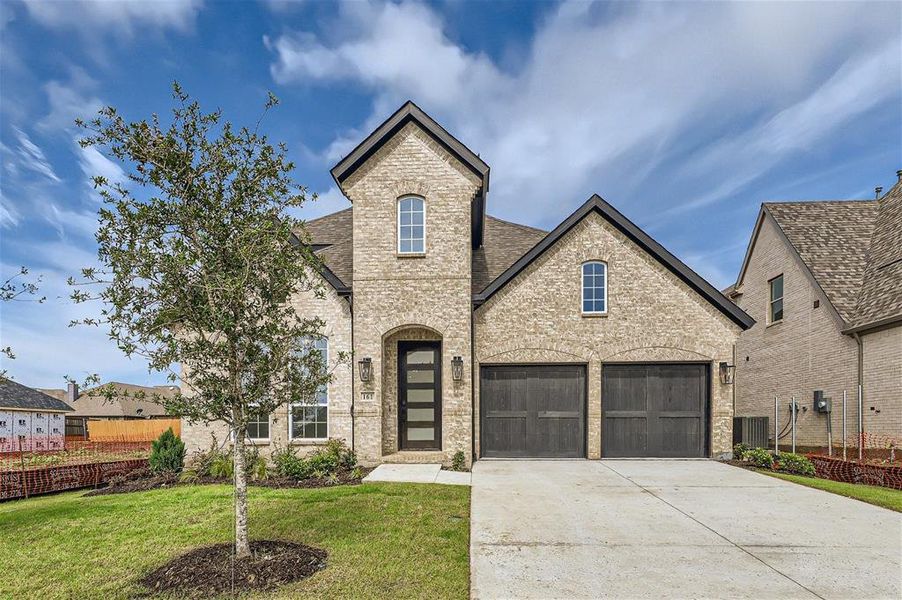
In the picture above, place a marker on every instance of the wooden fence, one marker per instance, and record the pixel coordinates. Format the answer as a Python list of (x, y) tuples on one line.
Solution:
[(144, 430)]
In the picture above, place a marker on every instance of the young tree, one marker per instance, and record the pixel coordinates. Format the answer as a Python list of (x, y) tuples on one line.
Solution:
[(199, 258)]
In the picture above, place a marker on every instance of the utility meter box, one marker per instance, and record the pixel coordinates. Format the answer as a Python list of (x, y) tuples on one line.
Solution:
[(822, 404)]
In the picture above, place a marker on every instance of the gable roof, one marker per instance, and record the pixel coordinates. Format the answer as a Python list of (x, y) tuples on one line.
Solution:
[(504, 243), (123, 405), (850, 248), (880, 301), (410, 112), (331, 237), (597, 205), (21, 397), (832, 239)]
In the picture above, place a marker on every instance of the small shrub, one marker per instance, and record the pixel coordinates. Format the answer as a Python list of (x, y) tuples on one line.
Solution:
[(740, 450), (459, 461), (332, 459), (795, 463), (760, 458), (167, 453)]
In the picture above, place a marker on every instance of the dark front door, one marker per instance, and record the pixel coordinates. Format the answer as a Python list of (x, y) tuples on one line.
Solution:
[(420, 395), (533, 411), (654, 410)]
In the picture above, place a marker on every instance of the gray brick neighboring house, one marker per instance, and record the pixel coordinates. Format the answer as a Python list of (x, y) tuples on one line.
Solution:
[(491, 338), (837, 269)]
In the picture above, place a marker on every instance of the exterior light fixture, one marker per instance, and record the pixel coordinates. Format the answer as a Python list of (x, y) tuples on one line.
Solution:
[(726, 373), (457, 368), (366, 368)]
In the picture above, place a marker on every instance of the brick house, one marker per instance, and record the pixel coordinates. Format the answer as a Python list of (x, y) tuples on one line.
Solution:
[(474, 334), (823, 281)]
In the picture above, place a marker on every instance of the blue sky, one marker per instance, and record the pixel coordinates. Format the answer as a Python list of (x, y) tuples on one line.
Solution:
[(684, 116)]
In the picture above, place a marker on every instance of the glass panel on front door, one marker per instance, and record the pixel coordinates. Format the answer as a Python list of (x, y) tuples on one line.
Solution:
[(419, 395)]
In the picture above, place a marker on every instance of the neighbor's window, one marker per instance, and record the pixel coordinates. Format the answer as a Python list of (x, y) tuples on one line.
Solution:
[(411, 225), (775, 310), (595, 288), (311, 421), (258, 426)]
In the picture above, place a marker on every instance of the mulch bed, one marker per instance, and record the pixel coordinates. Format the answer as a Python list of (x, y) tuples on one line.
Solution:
[(208, 571), (142, 480)]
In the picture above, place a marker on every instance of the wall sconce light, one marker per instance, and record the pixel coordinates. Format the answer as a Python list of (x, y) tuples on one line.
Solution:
[(457, 368), (366, 368), (726, 373)]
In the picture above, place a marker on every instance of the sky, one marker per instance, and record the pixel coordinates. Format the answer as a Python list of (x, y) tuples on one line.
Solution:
[(684, 116)]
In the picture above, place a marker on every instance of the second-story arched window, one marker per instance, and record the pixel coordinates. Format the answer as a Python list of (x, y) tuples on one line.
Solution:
[(411, 225)]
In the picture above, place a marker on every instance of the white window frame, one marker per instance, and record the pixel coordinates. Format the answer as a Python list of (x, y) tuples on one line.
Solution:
[(268, 428), (771, 299), (582, 288), (398, 224), (324, 403)]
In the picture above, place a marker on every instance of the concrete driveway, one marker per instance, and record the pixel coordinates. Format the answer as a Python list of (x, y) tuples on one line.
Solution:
[(672, 529)]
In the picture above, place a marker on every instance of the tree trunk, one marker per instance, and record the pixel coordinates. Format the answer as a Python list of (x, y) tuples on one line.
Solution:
[(242, 544)]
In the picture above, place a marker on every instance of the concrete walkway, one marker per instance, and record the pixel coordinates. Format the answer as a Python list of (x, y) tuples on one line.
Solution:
[(417, 474), (672, 529)]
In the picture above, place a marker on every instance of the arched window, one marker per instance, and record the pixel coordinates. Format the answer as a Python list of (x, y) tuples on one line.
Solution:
[(411, 225), (595, 288)]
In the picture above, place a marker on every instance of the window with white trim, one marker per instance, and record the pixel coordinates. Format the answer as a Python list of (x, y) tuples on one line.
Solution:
[(775, 305), (411, 225), (311, 421), (258, 426), (595, 288)]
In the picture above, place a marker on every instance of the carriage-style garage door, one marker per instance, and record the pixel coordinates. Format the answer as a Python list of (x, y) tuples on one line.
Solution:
[(533, 411), (656, 410)]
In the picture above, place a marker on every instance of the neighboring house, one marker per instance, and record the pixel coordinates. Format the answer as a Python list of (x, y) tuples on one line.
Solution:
[(823, 281), (473, 334), (89, 406), (30, 419)]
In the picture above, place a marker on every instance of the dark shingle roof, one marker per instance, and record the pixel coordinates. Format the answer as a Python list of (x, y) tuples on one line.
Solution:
[(503, 244), (20, 397), (332, 237), (832, 239), (127, 403), (881, 293)]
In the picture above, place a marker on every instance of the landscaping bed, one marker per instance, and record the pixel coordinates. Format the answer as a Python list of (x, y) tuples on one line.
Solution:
[(209, 571), (143, 479), (383, 540)]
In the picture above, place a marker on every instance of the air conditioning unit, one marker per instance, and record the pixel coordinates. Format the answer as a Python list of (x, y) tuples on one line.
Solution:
[(751, 431)]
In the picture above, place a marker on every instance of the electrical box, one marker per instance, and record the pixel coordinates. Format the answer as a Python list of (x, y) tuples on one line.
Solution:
[(822, 404)]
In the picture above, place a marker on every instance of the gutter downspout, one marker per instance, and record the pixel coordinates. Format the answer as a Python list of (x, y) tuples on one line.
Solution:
[(472, 386), (353, 374), (857, 337)]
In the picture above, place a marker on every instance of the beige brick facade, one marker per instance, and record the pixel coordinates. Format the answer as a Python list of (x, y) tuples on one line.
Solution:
[(882, 374), (807, 351), (398, 297), (336, 315), (652, 317)]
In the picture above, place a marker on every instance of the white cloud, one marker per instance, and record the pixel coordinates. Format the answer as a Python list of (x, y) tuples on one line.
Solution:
[(121, 17), (69, 102), (32, 157), (609, 99)]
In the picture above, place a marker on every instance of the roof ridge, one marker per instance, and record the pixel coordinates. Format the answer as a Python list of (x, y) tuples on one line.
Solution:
[(332, 214), (520, 225), (815, 202)]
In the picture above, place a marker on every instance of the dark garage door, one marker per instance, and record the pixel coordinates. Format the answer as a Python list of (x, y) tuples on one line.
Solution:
[(533, 411), (654, 410)]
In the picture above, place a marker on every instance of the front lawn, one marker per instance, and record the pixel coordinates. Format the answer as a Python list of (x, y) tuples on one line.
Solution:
[(881, 496), (384, 540)]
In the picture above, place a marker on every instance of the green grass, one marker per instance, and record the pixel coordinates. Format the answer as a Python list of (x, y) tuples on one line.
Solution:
[(384, 540), (879, 496)]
